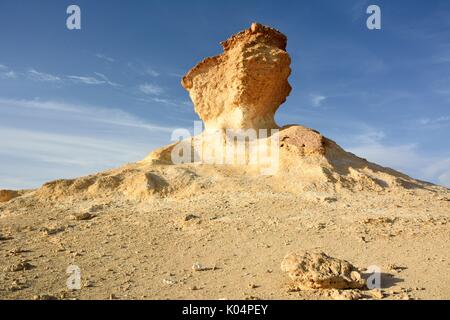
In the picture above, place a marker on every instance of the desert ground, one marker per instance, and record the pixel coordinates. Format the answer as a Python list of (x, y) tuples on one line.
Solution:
[(146, 250)]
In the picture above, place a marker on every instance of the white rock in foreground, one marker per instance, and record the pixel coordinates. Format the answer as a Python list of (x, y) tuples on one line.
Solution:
[(316, 270)]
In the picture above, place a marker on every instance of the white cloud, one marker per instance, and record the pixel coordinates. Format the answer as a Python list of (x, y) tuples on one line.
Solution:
[(59, 148), (86, 80), (86, 113), (396, 156), (143, 69), (440, 59), (440, 169), (151, 89), (9, 75), (104, 57), (317, 100), (99, 79), (444, 92), (152, 72), (33, 74), (50, 140), (165, 101), (106, 79), (444, 179), (435, 121), (32, 157), (406, 158), (178, 106), (176, 75), (41, 76), (370, 136)]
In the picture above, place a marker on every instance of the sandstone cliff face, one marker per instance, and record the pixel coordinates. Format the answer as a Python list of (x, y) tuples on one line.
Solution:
[(244, 86)]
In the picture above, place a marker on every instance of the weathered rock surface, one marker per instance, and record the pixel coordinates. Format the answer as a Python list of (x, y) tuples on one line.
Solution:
[(316, 270), (7, 195), (244, 86)]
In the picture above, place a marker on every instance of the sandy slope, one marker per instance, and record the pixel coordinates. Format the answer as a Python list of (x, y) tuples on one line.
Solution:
[(130, 248)]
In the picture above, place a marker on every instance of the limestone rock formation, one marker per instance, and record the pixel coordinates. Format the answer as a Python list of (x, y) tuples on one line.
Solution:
[(244, 86), (316, 270)]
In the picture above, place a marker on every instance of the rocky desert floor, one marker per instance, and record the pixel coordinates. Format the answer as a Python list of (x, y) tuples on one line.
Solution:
[(222, 245)]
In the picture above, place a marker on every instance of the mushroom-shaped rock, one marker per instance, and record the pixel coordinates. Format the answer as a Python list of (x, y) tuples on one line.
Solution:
[(316, 270), (243, 87)]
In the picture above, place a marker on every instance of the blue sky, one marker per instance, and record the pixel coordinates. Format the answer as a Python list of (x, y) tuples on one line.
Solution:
[(77, 102)]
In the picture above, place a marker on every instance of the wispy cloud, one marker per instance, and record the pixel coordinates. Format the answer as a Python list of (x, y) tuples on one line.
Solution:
[(151, 89), (90, 80), (7, 73), (435, 121), (33, 74), (374, 145), (31, 157), (440, 169), (399, 157), (444, 179), (370, 136), (106, 79), (143, 69), (86, 80), (152, 72), (51, 139), (86, 113), (441, 59), (58, 148), (105, 57), (176, 75), (41, 76), (317, 99), (408, 159), (167, 102)]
